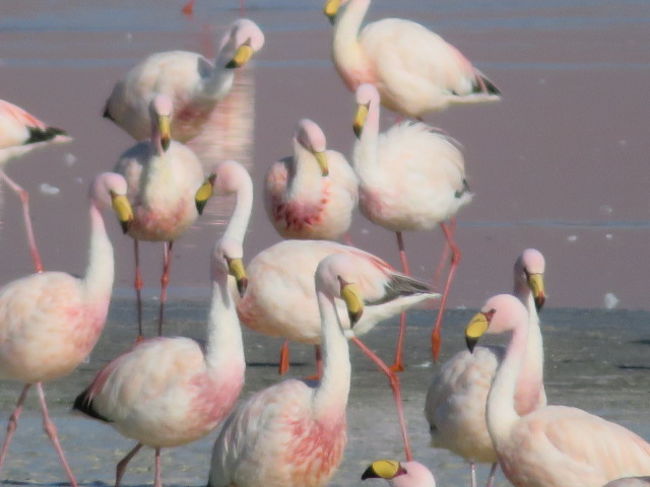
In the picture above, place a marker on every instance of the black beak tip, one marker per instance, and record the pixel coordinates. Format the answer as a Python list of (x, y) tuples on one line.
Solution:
[(539, 302), (357, 131), (471, 343), (354, 318), (369, 473), (125, 226), (231, 64), (242, 285), (200, 206)]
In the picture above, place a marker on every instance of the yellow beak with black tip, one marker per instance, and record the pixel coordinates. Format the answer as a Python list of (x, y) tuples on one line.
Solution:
[(123, 209), (331, 8), (204, 193), (360, 120), (475, 329), (536, 284), (237, 270), (243, 54), (351, 294), (321, 159), (383, 469), (165, 127)]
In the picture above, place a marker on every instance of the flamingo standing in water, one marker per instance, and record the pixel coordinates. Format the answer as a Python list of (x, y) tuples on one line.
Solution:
[(193, 83), (167, 392), (291, 434), (400, 474), (50, 321), (21, 132), (415, 70), (553, 446), (163, 177), (410, 178), (456, 398)]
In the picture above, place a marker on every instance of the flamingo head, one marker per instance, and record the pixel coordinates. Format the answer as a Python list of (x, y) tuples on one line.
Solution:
[(226, 178), (336, 275), (244, 39), (400, 474), (366, 97), (160, 111), (109, 190), (311, 137), (499, 314), (331, 9), (529, 275), (227, 258)]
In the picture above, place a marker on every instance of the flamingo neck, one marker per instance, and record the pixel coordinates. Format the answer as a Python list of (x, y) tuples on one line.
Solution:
[(346, 52), (305, 174), (225, 348), (331, 396), (241, 214), (366, 150), (500, 412), (98, 281), (218, 84)]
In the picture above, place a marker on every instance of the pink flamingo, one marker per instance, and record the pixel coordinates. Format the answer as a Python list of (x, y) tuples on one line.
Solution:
[(415, 70), (21, 132), (163, 211), (456, 398), (192, 82), (400, 474), (50, 321), (552, 446), (410, 178), (311, 195), (291, 434)]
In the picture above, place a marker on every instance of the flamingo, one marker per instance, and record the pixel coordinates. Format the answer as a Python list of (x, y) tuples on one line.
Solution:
[(456, 398), (193, 83), (291, 434), (163, 176), (410, 178), (21, 132), (167, 392), (400, 474), (312, 194), (415, 70), (50, 321), (552, 446)]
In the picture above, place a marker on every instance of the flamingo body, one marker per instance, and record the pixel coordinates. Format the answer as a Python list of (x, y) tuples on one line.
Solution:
[(20, 128)]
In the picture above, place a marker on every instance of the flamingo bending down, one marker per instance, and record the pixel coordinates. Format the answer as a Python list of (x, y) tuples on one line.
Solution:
[(415, 70), (410, 178), (456, 398), (193, 83), (291, 434), (400, 474), (553, 446), (163, 176), (21, 132), (167, 392), (50, 321), (312, 194)]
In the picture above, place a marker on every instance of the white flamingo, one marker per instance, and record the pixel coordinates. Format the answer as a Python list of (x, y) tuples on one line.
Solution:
[(400, 474)]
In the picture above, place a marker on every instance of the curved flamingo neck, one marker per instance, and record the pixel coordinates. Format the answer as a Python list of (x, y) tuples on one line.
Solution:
[(218, 84), (500, 411), (331, 396), (366, 150), (305, 174), (346, 51), (98, 280), (241, 214)]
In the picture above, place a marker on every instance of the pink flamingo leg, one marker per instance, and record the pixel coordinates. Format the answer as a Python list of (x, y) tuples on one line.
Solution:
[(121, 465), (398, 363), (283, 366), (493, 474), (441, 265), (319, 364), (242, 8), (13, 423), (137, 285), (455, 259), (157, 477), (164, 282), (50, 430), (397, 394), (24, 199)]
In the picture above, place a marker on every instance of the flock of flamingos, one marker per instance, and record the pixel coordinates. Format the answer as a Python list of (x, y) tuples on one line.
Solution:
[(486, 404)]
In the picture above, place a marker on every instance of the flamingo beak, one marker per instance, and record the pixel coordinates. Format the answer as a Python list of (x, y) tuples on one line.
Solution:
[(243, 54), (351, 294), (122, 208), (321, 159), (360, 120), (204, 193), (237, 270), (475, 329), (536, 284), (330, 9), (165, 124), (383, 469)]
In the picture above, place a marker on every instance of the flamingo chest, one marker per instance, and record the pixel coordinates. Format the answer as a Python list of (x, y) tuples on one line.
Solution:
[(299, 216), (189, 121), (163, 219)]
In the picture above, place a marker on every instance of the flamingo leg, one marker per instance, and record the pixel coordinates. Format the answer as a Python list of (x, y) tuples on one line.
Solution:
[(164, 282), (242, 8), (188, 8), (13, 423), (493, 474), (393, 379), (319, 364), (31, 240), (455, 259), (121, 465), (283, 366), (157, 476), (398, 362), (137, 285), (441, 265), (50, 430), (472, 467)]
